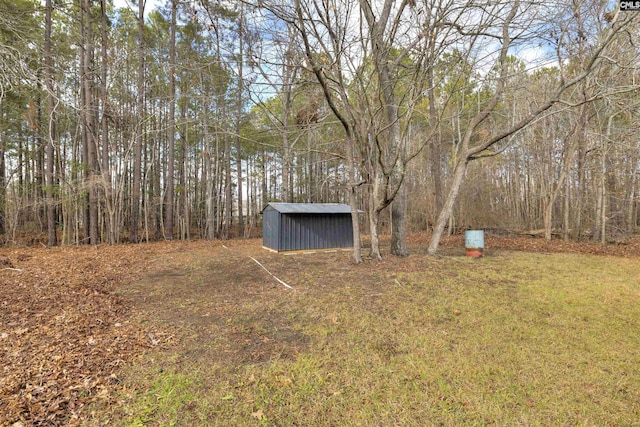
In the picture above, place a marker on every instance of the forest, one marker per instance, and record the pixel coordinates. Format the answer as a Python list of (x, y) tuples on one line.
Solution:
[(138, 121)]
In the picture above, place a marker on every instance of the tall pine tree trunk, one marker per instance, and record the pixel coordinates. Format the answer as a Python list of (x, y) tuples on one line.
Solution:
[(137, 161), (90, 121), (3, 175), (168, 220), (239, 118), (108, 202), (48, 77)]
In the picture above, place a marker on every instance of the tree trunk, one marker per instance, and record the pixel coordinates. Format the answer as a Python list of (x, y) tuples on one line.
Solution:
[(286, 165), (287, 191), (84, 148), (449, 202), (156, 188), (89, 122), (603, 195), (239, 119), (399, 223), (3, 175), (48, 77), (399, 245), (353, 203), (548, 216), (228, 191), (210, 188), (580, 190), (137, 161), (435, 152), (40, 173), (168, 217), (375, 207), (566, 224), (182, 174), (632, 195), (394, 188), (110, 220)]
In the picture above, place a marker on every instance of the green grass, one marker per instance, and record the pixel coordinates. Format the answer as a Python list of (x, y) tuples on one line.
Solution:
[(511, 339), (165, 401)]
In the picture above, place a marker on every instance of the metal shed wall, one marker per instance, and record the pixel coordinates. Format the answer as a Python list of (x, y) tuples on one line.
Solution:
[(315, 231), (271, 228), (306, 227)]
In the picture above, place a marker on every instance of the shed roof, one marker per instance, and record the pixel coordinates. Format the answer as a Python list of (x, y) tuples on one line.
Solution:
[(316, 208)]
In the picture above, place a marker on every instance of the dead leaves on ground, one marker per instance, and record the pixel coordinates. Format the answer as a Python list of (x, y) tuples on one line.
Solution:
[(630, 248), (64, 331)]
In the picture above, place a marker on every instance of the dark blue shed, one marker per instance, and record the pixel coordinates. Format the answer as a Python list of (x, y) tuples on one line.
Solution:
[(306, 226)]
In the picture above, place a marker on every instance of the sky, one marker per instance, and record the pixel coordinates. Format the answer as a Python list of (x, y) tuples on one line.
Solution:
[(151, 5)]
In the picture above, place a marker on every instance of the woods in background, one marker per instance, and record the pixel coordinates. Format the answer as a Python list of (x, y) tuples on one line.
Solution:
[(131, 124)]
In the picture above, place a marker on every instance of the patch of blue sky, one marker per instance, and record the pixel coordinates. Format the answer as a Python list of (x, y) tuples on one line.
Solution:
[(149, 6)]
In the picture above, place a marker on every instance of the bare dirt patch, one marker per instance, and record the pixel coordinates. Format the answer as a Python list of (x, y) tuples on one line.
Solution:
[(214, 293)]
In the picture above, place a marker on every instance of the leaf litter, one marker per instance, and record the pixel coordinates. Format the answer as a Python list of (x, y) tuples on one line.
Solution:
[(64, 332)]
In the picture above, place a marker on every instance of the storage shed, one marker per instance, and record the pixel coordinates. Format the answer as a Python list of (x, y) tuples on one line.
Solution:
[(306, 226)]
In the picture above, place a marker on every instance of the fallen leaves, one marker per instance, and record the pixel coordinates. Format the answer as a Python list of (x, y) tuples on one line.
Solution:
[(64, 330), (630, 248)]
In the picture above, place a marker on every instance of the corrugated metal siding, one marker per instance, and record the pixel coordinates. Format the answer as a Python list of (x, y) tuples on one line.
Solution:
[(315, 231), (271, 228), (306, 230)]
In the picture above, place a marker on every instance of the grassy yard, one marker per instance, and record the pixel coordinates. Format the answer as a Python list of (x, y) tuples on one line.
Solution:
[(511, 339)]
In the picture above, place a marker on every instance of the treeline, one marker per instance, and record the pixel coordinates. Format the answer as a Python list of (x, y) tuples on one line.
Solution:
[(129, 124)]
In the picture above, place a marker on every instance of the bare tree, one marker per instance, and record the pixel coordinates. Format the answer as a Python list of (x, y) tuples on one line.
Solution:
[(510, 29), (374, 61)]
